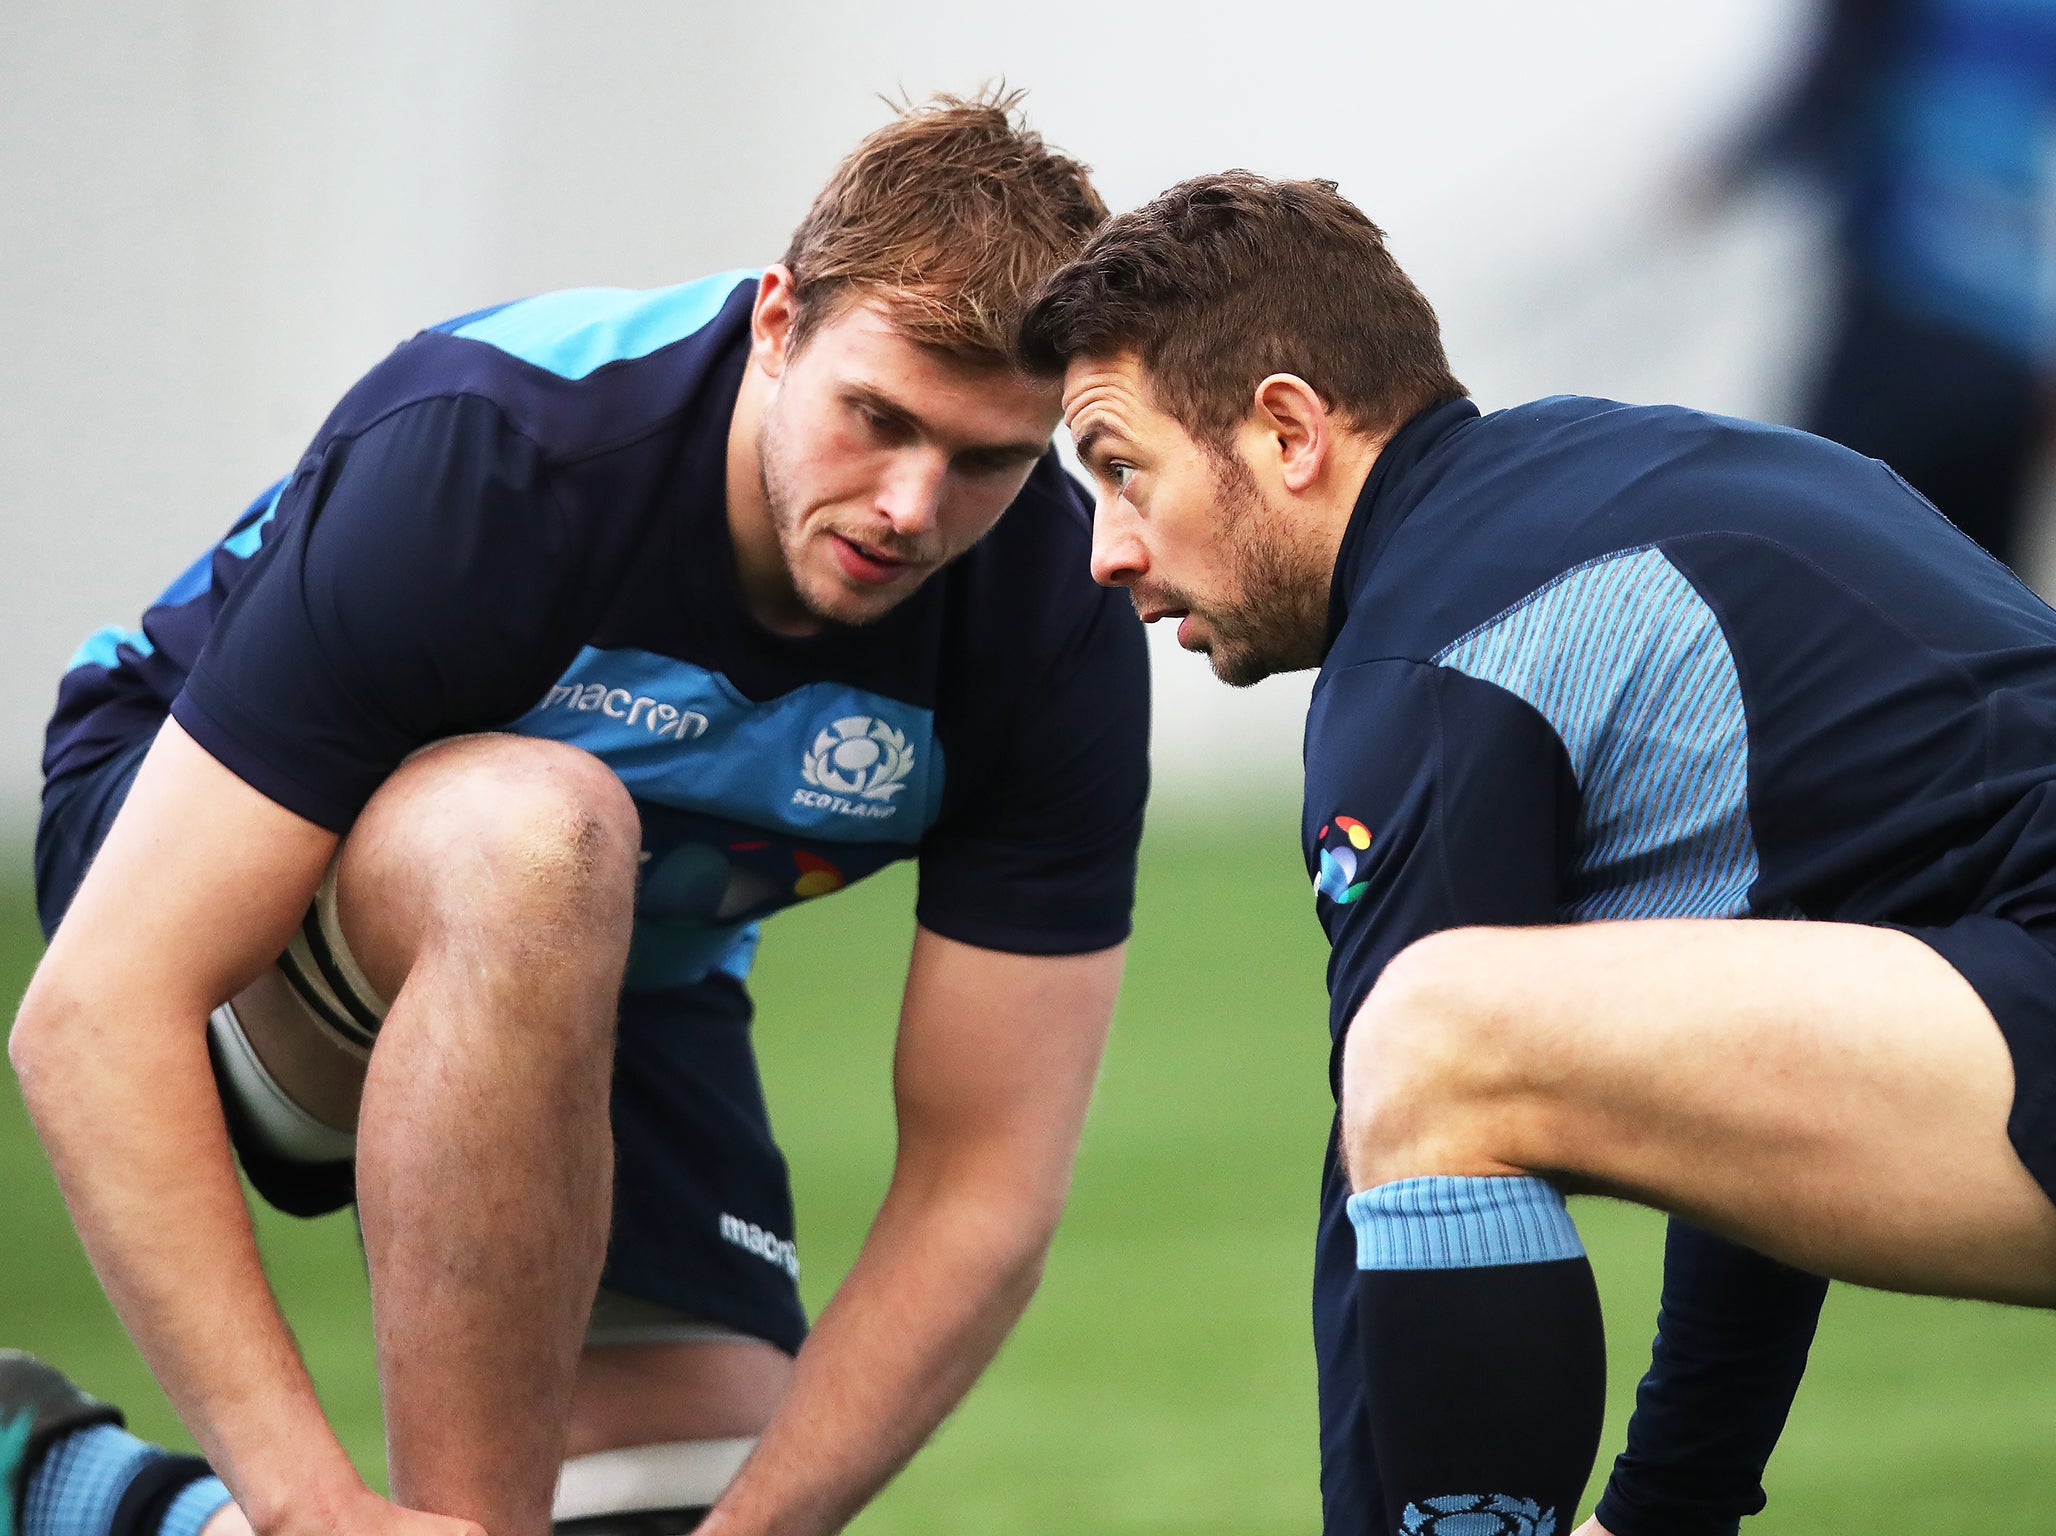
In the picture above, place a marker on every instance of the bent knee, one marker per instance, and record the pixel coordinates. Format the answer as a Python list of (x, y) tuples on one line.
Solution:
[(1431, 1016), (1436, 1061), (538, 815), (530, 836)]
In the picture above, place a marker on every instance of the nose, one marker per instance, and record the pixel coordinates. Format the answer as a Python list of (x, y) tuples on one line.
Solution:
[(1118, 558), (911, 496)]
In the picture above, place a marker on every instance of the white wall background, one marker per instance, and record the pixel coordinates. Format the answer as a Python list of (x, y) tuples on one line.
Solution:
[(214, 216)]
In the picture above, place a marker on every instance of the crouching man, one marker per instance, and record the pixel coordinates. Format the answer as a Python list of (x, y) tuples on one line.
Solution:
[(452, 785), (1608, 696)]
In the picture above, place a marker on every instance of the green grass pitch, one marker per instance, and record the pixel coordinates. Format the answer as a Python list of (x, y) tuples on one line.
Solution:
[(1162, 1381)]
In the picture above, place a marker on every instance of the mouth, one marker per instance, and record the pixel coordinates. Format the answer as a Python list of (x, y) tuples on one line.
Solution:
[(1188, 638), (867, 564)]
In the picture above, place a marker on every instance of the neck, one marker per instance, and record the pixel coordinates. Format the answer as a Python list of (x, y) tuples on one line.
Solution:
[(1342, 485), (761, 575)]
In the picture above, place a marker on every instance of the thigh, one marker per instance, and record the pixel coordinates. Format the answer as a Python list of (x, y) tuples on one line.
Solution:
[(703, 1219), (685, 1382), (1832, 1095)]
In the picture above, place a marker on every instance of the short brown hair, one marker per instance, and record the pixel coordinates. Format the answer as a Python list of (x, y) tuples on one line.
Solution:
[(1225, 280), (952, 214)]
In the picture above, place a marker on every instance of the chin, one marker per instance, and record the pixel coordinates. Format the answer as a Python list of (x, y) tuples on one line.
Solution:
[(1239, 671), (1240, 665), (853, 608)]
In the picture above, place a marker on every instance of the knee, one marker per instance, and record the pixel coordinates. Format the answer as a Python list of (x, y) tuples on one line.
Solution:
[(533, 841), (544, 833), (1434, 1063)]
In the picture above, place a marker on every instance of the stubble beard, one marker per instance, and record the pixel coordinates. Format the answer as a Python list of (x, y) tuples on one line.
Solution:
[(781, 505), (778, 506), (1275, 618)]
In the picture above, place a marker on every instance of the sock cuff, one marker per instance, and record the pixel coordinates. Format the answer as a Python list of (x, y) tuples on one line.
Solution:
[(1445, 1222), (156, 1486), (192, 1507)]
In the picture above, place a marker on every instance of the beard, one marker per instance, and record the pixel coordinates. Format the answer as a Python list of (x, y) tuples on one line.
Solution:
[(1272, 613)]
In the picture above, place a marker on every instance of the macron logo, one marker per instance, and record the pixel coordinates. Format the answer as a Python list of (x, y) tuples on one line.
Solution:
[(751, 1238), (637, 709)]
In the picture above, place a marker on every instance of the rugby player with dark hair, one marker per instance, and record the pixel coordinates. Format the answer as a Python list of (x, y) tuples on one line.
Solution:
[(415, 846), (1681, 811)]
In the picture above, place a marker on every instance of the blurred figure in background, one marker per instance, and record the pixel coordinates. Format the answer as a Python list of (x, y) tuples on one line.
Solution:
[(1930, 125)]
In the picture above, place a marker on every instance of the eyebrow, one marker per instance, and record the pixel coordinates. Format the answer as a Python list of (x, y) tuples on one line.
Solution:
[(1084, 442), (885, 405)]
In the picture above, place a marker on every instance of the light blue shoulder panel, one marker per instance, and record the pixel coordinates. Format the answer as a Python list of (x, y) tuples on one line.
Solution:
[(101, 647), (1629, 666), (244, 542), (576, 331)]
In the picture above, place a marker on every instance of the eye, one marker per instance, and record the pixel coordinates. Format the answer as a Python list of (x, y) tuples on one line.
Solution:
[(1121, 474), (984, 463), (883, 428)]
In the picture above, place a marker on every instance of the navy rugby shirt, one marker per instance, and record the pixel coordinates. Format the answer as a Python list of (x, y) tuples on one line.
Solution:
[(1590, 661), (518, 522)]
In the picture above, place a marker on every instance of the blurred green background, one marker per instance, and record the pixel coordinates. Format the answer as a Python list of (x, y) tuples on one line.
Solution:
[(1163, 1379)]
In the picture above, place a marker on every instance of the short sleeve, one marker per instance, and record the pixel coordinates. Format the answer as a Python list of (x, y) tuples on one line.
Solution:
[(414, 588), (1040, 857), (1433, 801)]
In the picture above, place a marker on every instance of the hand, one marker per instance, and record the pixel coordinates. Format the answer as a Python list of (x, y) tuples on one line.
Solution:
[(363, 1513), (1592, 1527)]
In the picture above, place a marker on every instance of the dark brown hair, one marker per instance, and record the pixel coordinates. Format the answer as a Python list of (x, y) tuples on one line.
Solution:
[(951, 214), (1227, 279)]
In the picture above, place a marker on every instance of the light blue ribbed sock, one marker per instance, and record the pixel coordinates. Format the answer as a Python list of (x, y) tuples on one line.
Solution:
[(193, 1507), (80, 1483), (1446, 1222), (78, 1487)]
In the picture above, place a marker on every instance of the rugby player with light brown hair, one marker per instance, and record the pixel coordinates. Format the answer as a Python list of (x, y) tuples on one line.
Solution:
[(591, 630)]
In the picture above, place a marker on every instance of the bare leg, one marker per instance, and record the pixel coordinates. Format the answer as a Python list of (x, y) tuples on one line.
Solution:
[(1831, 1095), (488, 891), (651, 1394), (228, 1520)]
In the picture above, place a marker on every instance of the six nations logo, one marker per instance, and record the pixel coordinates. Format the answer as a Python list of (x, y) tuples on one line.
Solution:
[(855, 767)]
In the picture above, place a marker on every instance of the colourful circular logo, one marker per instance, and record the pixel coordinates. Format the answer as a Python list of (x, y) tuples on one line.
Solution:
[(817, 876), (1342, 841)]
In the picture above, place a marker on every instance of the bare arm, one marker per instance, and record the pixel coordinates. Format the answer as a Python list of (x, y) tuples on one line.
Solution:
[(996, 1060), (197, 889)]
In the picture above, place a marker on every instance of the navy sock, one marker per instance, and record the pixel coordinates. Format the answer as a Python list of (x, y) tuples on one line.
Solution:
[(103, 1481), (1484, 1364)]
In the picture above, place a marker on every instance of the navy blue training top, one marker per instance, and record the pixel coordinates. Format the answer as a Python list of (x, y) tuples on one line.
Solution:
[(1593, 661), (518, 522)]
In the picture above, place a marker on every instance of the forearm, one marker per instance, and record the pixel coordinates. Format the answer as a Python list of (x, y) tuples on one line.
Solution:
[(944, 1275), (1730, 1351), (126, 1108), (996, 1058)]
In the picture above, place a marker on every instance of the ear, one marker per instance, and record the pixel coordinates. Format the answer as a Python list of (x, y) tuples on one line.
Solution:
[(772, 320), (1297, 428)]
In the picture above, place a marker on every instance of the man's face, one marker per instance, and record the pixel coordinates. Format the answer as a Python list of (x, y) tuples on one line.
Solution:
[(882, 460), (1188, 530)]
